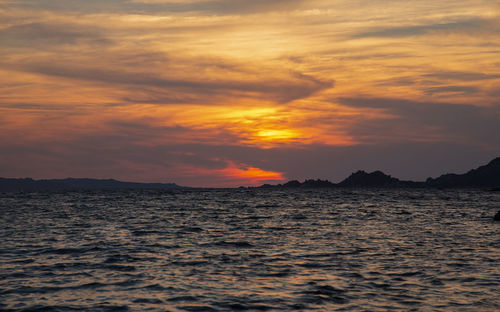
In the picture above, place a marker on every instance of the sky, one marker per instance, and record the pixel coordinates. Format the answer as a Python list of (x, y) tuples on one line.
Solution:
[(223, 93)]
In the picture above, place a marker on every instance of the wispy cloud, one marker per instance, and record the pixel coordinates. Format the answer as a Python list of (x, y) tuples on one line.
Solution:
[(461, 76), (224, 6), (452, 89), (175, 6), (294, 87), (417, 30)]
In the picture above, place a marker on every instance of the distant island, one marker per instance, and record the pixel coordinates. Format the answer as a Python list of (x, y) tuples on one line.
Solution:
[(484, 176), (487, 176), (71, 184)]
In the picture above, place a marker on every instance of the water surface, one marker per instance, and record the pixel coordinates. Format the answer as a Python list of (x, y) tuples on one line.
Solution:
[(257, 249)]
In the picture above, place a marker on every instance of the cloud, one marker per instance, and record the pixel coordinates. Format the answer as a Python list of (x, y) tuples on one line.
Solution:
[(160, 6), (231, 175), (37, 33), (461, 76), (467, 25), (242, 6), (294, 87), (88, 6), (428, 121), (452, 89)]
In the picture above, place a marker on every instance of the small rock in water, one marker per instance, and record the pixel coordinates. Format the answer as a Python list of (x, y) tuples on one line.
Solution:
[(497, 216)]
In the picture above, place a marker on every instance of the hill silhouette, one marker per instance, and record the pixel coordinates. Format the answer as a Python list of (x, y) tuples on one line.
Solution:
[(484, 176), (70, 184), (374, 179)]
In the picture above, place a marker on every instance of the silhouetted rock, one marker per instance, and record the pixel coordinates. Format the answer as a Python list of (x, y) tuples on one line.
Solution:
[(317, 183), (268, 185), (70, 184), (293, 183), (307, 183), (374, 179), (497, 216), (484, 176)]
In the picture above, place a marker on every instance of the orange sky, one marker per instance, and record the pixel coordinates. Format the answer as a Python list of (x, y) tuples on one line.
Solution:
[(229, 93)]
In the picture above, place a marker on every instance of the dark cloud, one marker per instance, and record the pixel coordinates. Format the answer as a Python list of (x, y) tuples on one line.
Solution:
[(87, 6), (238, 6), (48, 34), (399, 81), (148, 130), (298, 86), (451, 89), (365, 55), (424, 120), (154, 96), (494, 92), (405, 31), (8, 103), (218, 7), (461, 76)]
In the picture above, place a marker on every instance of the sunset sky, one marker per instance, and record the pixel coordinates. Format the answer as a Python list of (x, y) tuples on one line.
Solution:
[(232, 92)]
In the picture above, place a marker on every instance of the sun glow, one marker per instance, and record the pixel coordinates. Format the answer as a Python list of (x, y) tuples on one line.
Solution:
[(276, 134), (253, 173), (233, 174)]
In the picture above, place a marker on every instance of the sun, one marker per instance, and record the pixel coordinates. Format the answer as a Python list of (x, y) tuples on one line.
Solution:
[(277, 135)]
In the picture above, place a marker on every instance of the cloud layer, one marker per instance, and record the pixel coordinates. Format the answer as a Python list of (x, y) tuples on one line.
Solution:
[(223, 93)]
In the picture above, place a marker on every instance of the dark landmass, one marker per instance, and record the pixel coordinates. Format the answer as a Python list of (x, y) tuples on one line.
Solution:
[(485, 176), (375, 179), (70, 184)]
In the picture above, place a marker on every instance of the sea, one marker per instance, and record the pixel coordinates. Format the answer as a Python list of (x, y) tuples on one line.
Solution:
[(250, 250)]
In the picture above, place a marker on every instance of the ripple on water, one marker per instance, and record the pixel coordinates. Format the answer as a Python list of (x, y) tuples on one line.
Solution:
[(319, 294), (256, 250)]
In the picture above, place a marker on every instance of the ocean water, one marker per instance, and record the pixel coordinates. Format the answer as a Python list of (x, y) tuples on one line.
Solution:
[(250, 249)]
